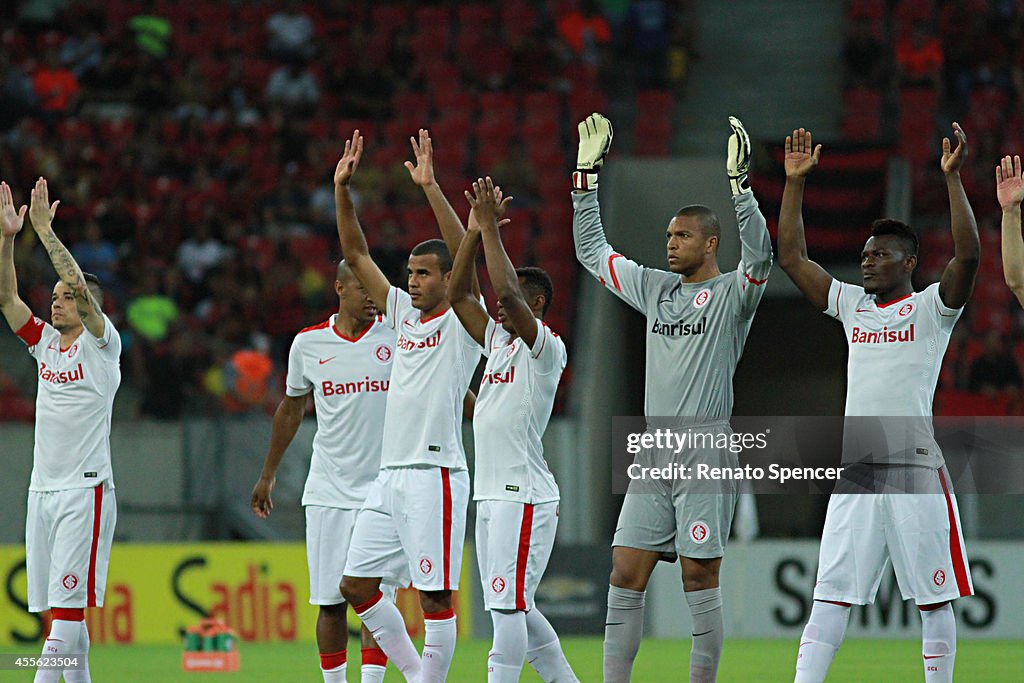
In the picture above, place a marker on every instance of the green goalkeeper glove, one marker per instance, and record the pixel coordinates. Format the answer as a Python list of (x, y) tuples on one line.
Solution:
[(737, 164), (595, 141)]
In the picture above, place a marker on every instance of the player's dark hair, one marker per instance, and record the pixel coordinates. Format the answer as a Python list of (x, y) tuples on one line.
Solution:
[(439, 249), (707, 220), (900, 230), (537, 282), (94, 285)]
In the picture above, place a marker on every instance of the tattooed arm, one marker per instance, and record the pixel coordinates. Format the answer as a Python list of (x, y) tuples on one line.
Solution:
[(41, 214)]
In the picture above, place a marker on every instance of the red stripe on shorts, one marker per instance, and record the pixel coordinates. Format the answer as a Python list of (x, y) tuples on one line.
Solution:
[(96, 513), (524, 553), (955, 551), (446, 486)]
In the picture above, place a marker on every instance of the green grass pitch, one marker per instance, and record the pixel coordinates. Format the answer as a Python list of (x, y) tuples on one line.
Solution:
[(659, 661)]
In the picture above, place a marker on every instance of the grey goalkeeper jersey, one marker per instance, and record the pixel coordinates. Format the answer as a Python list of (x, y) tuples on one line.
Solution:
[(695, 331)]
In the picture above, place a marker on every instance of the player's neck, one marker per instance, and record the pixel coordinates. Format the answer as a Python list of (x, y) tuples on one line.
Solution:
[(437, 310), (70, 335), (888, 296), (350, 327), (707, 271)]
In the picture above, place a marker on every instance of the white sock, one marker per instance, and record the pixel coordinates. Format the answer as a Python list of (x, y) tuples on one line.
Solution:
[(375, 663), (622, 632), (439, 632), (820, 641), (385, 623), (371, 673), (938, 636), (708, 634), (81, 675), (545, 651), (335, 675), (508, 651), (63, 640)]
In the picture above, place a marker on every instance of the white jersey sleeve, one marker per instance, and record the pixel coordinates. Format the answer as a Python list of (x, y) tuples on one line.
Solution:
[(623, 277), (842, 299), (548, 351), (296, 383)]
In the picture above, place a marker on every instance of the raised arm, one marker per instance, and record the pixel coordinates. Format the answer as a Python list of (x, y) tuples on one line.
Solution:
[(487, 205), (422, 173), (813, 280), (466, 305), (353, 241), (41, 214), (755, 242), (16, 313), (621, 276), (958, 278), (1010, 193), (287, 419)]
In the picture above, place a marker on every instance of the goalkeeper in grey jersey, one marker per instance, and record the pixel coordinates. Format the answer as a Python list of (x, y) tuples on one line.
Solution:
[(697, 322)]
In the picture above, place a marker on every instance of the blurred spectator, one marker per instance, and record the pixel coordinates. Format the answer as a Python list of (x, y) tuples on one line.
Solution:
[(585, 30), (995, 370), (35, 16), (865, 58), (201, 252), (290, 33), (363, 91), (648, 25), (82, 52), (152, 32), (97, 255), (151, 313), (56, 87), (247, 380), (16, 92), (293, 86), (919, 59)]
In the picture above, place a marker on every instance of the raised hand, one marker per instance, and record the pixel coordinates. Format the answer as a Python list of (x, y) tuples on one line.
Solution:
[(800, 159), (953, 160), (261, 503), (11, 221), (349, 162), (423, 172), (40, 211), (488, 204), (1009, 183)]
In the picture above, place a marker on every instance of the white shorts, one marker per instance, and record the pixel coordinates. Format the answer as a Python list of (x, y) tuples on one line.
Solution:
[(513, 546), (328, 533), (68, 535), (919, 533), (416, 515)]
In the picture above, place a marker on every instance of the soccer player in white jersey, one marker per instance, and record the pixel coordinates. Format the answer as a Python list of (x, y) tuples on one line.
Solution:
[(1010, 193), (897, 338), (71, 504), (516, 494), (416, 508), (698, 319), (345, 364)]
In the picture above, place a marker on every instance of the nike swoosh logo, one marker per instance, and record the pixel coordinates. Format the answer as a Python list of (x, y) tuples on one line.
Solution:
[(327, 360), (701, 634), (614, 623), (665, 301), (807, 643), (933, 656), (863, 310)]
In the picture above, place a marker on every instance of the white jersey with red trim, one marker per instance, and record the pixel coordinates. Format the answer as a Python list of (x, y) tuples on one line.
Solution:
[(434, 362), (74, 405), (350, 379), (896, 352), (695, 331), (517, 392)]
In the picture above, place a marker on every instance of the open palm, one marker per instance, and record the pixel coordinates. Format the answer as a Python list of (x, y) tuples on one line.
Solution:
[(1009, 183), (423, 172), (11, 221), (801, 154)]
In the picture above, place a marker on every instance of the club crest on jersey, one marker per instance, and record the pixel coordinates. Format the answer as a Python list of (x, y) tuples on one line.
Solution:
[(905, 310), (498, 585), (73, 350), (939, 578), (699, 532), (383, 354), (426, 566), (69, 582), (702, 298)]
